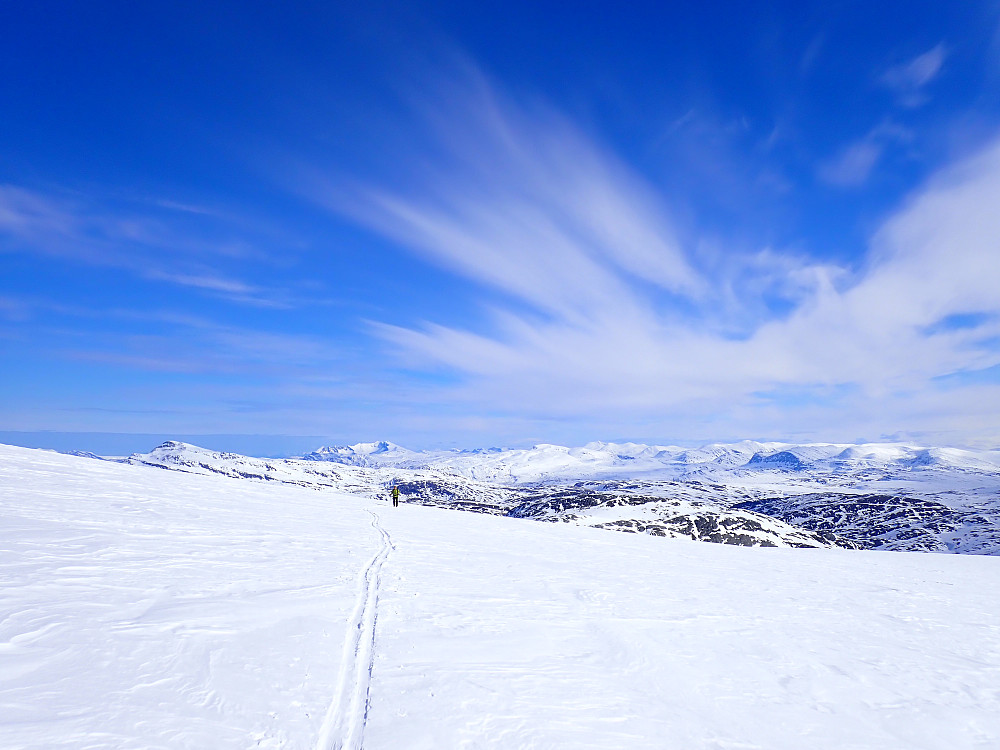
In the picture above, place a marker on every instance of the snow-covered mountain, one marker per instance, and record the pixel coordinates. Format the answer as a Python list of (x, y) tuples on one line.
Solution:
[(633, 460), (892, 497), (363, 454)]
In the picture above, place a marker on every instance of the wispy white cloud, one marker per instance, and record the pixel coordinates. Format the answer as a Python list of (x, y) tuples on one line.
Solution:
[(202, 281), (177, 343), (909, 80), (30, 217), (185, 207), (521, 198), (811, 53), (14, 309), (57, 226), (853, 165), (614, 316), (723, 160)]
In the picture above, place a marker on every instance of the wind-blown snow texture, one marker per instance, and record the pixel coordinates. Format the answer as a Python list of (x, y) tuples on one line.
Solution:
[(142, 608)]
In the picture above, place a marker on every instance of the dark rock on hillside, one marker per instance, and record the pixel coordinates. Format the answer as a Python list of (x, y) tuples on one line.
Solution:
[(886, 521), (784, 461)]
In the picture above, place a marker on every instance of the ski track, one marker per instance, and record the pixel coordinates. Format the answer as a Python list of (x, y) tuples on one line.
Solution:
[(344, 725)]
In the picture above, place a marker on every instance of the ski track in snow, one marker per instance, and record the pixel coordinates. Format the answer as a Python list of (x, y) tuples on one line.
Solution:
[(344, 725)]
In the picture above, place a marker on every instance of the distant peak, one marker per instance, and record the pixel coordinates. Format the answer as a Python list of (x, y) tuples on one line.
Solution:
[(174, 445), (382, 446), (360, 453)]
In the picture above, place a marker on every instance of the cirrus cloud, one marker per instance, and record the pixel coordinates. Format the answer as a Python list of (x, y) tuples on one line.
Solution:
[(908, 80), (605, 311)]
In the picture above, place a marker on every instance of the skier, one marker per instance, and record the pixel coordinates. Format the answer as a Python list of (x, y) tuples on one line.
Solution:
[(395, 496)]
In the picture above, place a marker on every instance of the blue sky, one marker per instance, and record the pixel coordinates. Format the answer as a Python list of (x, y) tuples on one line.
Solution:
[(467, 224)]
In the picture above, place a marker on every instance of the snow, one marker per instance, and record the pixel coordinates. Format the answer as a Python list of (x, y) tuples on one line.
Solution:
[(546, 462), (162, 609), (140, 608)]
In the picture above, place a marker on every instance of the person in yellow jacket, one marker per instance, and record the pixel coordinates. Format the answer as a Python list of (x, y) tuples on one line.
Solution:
[(395, 496)]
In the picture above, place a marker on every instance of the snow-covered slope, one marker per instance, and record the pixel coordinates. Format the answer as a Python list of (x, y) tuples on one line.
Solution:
[(142, 608)]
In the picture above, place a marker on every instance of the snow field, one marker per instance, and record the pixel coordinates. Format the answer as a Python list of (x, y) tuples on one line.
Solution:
[(550, 635), (147, 608)]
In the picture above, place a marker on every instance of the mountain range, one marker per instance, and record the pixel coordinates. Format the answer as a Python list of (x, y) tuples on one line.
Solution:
[(872, 496)]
